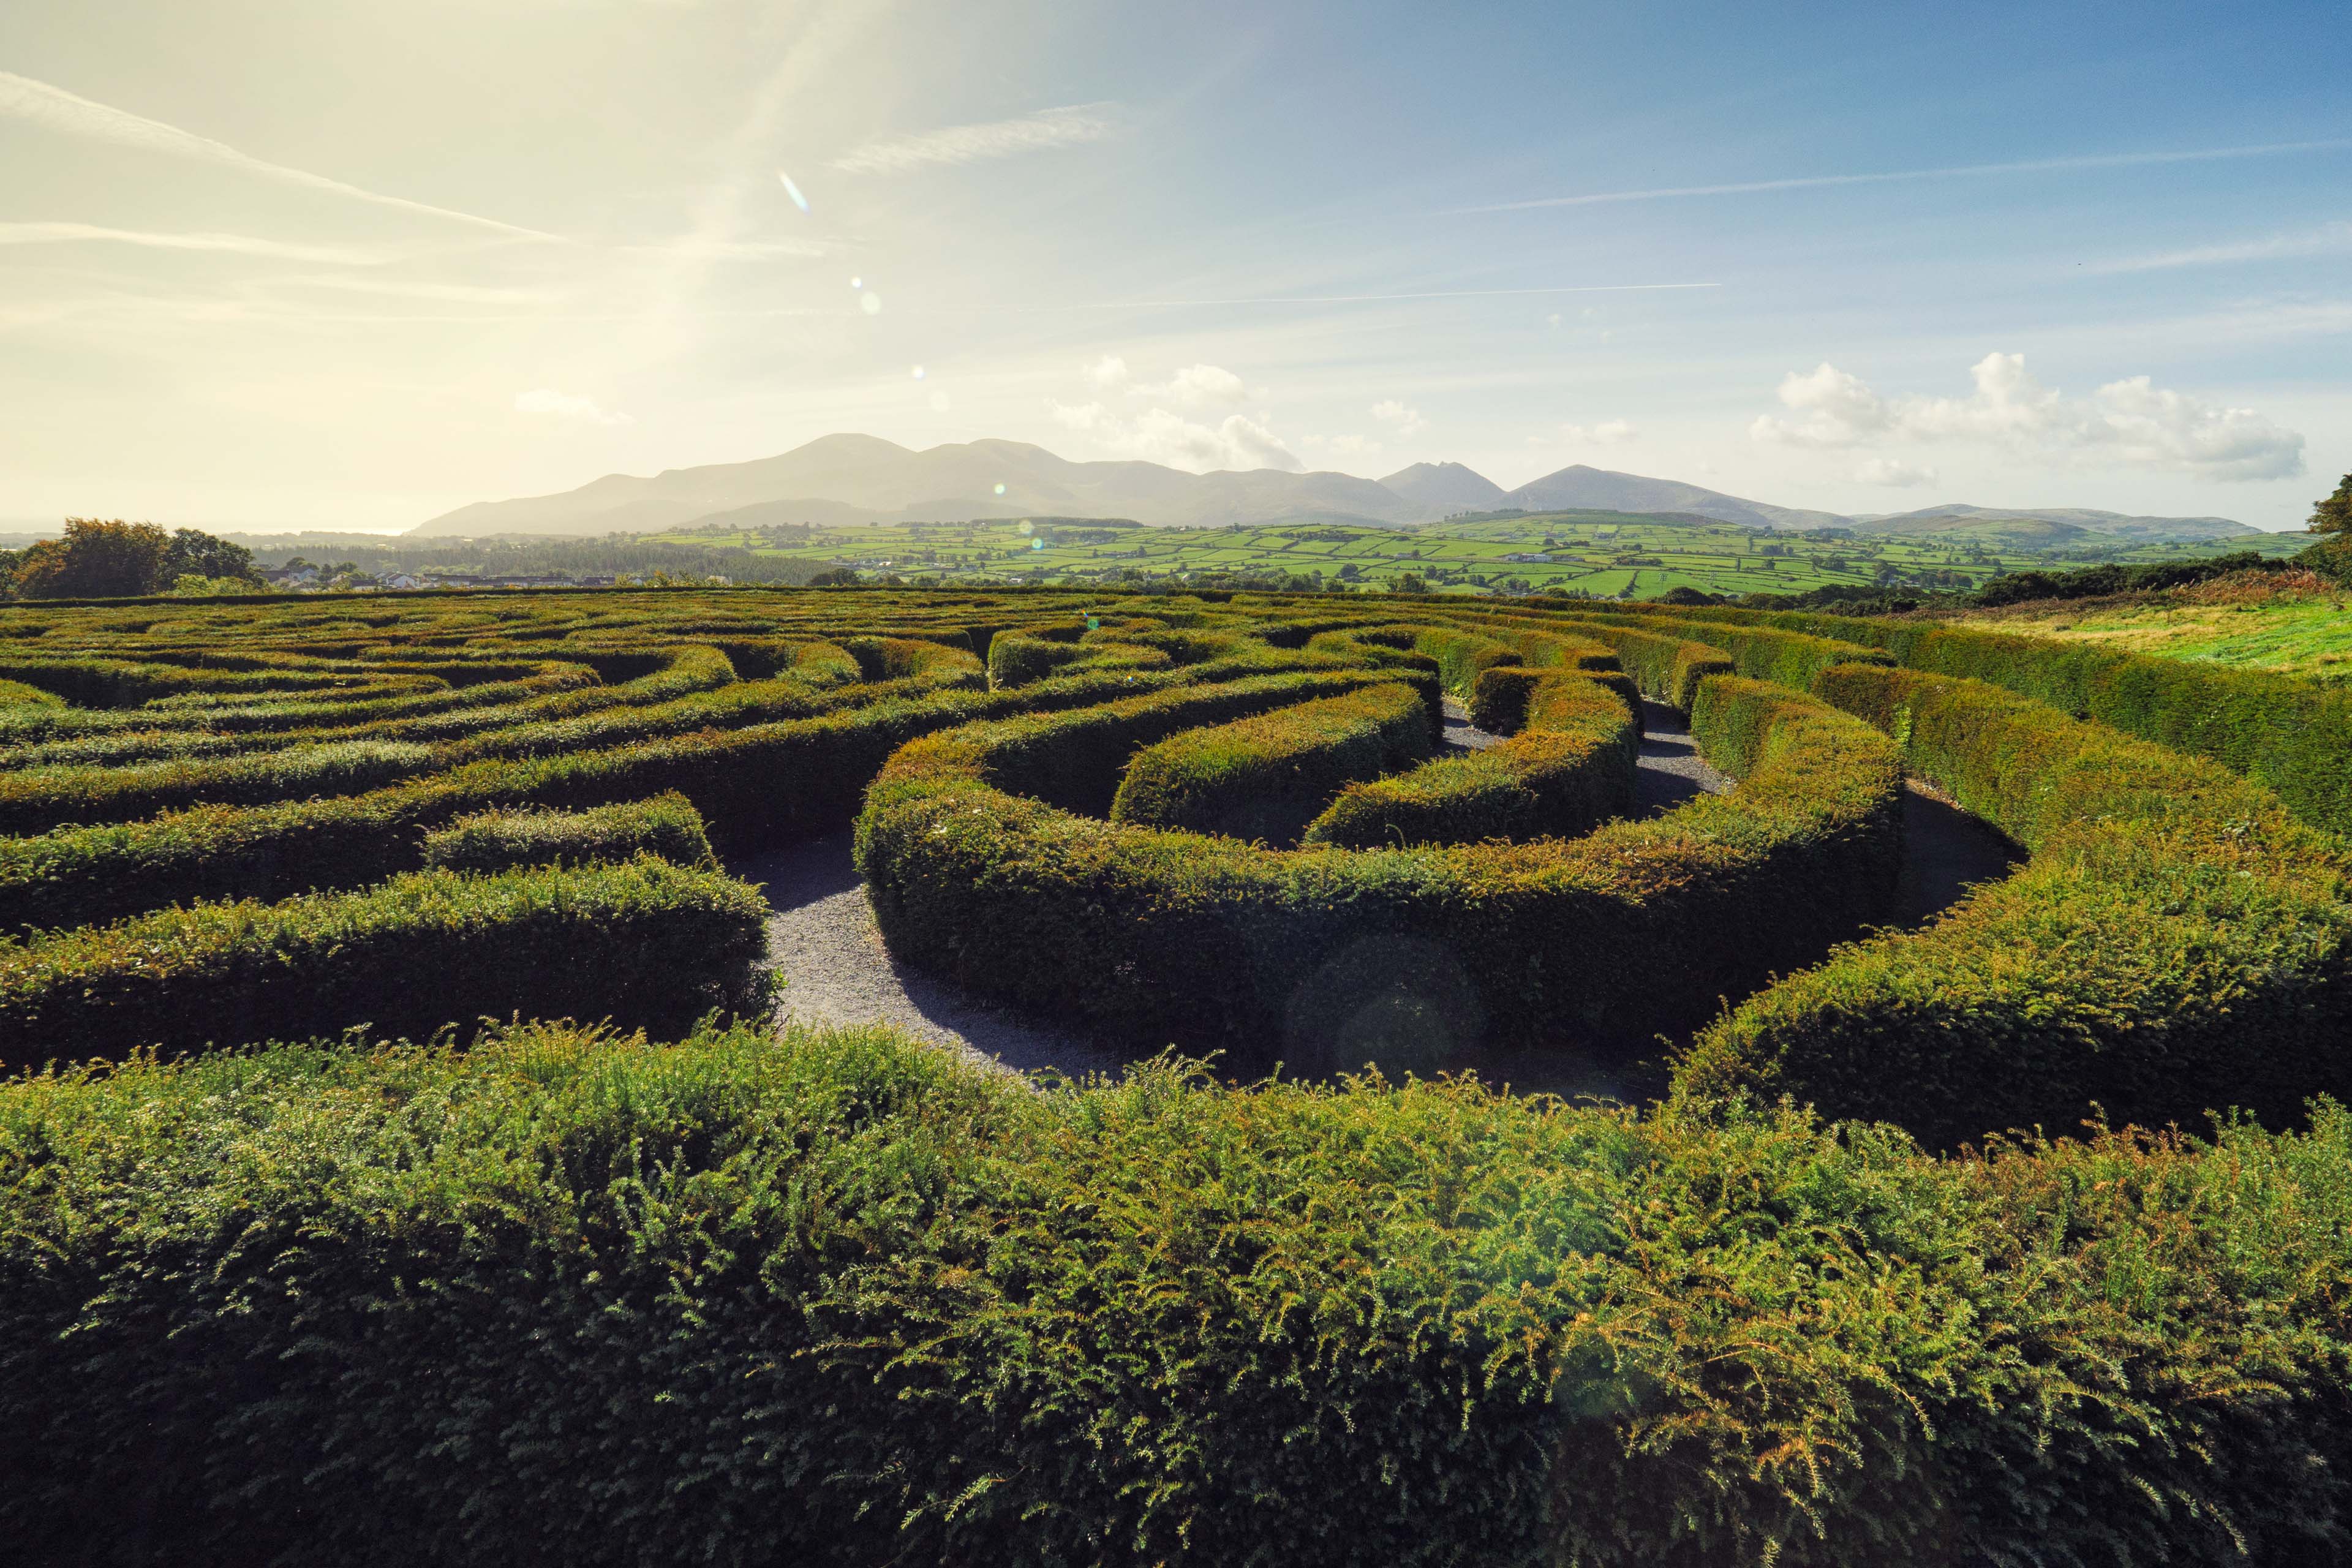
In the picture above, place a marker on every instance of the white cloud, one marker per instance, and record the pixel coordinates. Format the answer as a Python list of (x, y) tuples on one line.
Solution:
[(2130, 423), (1160, 436), (1407, 422), (2328, 239), (565, 405), (1202, 386), (1892, 471), (1194, 386), (1047, 129), (1608, 433), (54, 109)]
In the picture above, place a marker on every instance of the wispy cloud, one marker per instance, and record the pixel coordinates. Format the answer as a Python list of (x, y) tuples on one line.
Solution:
[(232, 243), (2328, 239), (1341, 299), (692, 248), (546, 400), (1048, 128), (1959, 171), (54, 109)]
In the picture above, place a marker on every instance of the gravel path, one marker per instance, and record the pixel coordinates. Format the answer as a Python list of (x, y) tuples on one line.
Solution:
[(824, 941)]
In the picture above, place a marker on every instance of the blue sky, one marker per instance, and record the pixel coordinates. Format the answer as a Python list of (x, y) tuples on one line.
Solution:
[(275, 262)]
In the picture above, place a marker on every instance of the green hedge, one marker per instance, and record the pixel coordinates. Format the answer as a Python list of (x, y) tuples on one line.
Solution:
[(645, 943), (978, 871), (2178, 944), (666, 826), (755, 787), (1267, 776), (1569, 772), (1499, 697), (17, 694), (1667, 669), (832, 1298), (2283, 731)]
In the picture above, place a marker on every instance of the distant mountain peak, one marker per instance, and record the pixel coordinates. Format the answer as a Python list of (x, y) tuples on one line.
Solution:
[(847, 477), (1438, 488)]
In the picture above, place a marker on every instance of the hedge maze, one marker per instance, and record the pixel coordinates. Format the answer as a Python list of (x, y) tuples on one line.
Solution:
[(403, 1164)]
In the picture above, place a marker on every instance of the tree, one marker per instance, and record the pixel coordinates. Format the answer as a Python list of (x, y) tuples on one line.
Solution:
[(195, 554), (2333, 515), (96, 560)]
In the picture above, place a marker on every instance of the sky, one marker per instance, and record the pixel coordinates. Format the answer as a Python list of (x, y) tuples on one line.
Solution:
[(325, 264)]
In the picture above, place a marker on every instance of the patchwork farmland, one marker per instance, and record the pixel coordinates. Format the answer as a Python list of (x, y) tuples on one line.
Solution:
[(411, 1157), (1592, 554)]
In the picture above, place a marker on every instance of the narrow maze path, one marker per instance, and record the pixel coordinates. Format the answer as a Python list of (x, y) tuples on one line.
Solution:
[(824, 941)]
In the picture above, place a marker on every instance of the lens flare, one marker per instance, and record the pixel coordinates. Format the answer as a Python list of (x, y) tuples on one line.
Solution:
[(1000, 490), (918, 373), (792, 191), (857, 283), (870, 303), (1036, 544), (1025, 525)]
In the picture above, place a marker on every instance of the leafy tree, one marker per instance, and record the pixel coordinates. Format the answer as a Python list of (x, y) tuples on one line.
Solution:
[(195, 554), (2333, 515), (96, 560)]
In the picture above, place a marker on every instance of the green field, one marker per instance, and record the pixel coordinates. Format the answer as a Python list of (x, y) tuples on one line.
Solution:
[(2303, 632), (1599, 554)]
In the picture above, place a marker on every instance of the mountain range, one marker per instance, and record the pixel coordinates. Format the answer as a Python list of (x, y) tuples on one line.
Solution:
[(848, 479)]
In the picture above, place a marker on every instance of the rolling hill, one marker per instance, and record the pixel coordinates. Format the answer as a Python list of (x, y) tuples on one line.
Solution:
[(976, 479), (1441, 490), (848, 479), (1582, 489), (1961, 517)]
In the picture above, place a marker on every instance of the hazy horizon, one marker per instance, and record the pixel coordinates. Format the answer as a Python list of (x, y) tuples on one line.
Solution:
[(271, 266)]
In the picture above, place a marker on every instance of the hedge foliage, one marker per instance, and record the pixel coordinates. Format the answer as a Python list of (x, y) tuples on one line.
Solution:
[(834, 1298), (2287, 733), (665, 825), (1267, 776), (2178, 942), (823, 1299), (644, 943), (1570, 770), (978, 869)]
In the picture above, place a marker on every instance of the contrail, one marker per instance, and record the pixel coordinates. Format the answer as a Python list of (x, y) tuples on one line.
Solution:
[(1377, 299), (237, 244), (54, 109), (1818, 181)]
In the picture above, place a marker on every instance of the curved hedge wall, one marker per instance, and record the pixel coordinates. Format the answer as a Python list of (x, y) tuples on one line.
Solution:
[(2178, 942), (836, 1299), (978, 868)]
